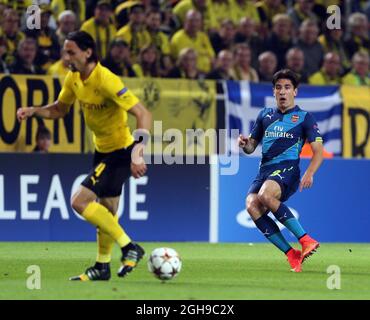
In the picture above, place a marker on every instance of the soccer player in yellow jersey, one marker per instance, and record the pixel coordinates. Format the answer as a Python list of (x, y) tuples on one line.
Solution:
[(105, 102)]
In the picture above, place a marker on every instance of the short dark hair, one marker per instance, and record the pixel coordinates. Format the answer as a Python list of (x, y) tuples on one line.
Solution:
[(43, 132), (84, 41), (286, 74)]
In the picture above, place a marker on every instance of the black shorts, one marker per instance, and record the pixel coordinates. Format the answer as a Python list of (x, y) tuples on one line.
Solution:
[(110, 172)]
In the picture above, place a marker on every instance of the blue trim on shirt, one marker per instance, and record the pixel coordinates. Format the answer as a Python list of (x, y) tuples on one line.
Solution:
[(121, 92)]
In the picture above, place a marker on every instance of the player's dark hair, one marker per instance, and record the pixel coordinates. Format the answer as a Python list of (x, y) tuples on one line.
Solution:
[(84, 41), (43, 132), (286, 74)]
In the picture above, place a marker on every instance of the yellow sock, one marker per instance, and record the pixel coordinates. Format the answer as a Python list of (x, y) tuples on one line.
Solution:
[(105, 245), (100, 217)]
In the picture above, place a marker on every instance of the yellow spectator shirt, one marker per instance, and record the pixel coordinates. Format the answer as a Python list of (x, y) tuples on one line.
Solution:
[(352, 78), (209, 18), (200, 44), (102, 35), (77, 6), (321, 78), (104, 100), (58, 69), (224, 11), (248, 9), (136, 40)]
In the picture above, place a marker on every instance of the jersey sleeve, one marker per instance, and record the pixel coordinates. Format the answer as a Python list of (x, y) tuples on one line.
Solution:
[(67, 94), (257, 129), (311, 129), (119, 93)]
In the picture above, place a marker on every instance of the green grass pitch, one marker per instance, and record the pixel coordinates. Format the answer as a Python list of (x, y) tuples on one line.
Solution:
[(210, 271)]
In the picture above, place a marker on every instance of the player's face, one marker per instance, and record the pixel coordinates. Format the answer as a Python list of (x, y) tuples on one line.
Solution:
[(284, 93), (75, 57)]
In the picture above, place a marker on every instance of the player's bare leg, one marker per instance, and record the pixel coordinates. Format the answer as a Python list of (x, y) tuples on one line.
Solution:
[(269, 195), (258, 212), (254, 207)]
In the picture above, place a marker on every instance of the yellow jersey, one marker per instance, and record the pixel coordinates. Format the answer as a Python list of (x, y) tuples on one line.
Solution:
[(201, 44), (104, 100)]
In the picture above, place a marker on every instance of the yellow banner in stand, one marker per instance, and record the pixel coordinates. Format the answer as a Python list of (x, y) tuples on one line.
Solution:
[(187, 106), (356, 121), (183, 112), (21, 91)]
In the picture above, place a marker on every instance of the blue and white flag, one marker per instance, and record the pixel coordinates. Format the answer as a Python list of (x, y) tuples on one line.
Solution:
[(245, 100)]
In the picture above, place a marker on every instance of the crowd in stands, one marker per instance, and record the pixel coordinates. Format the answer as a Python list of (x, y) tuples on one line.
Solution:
[(194, 39)]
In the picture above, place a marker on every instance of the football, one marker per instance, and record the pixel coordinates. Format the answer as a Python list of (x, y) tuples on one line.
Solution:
[(164, 263)]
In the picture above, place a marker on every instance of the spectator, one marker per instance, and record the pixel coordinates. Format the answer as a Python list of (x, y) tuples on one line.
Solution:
[(280, 39), (242, 68), (10, 30), (47, 40), (19, 6), (359, 74), (267, 66), (186, 66), (25, 58), (135, 33), (118, 59), (224, 67), (301, 11), (159, 38), (170, 22), (295, 62), (358, 37), (267, 9), (367, 12), (309, 44), (67, 22), (76, 6), (223, 9), (331, 41), (224, 38), (246, 33), (59, 68), (3, 7), (3, 65), (101, 27), (329, 74), (202, 6), (148, 63), (43, 140), (192, 37), (245, 9)]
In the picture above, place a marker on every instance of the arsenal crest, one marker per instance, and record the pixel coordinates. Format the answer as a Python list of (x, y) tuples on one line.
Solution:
[(295, 118)]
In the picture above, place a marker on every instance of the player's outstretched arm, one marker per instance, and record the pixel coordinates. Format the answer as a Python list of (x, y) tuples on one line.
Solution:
[(247, 144), (316, 160), (54, 110)]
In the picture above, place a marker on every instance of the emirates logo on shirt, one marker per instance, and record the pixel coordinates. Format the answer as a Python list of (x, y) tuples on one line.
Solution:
[(295, 118)]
